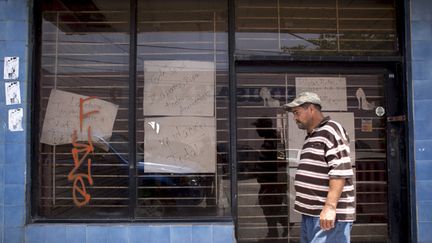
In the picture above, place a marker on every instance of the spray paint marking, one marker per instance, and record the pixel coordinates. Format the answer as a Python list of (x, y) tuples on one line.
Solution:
[(79, 192)]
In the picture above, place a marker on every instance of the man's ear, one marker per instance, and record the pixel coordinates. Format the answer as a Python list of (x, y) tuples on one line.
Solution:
[(313, 109)]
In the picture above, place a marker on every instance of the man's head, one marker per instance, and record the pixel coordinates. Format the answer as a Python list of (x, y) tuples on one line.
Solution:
[(306, 108)]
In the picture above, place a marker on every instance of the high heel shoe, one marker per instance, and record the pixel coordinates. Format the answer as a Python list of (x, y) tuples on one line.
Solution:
[(268, 99), (363, 104)]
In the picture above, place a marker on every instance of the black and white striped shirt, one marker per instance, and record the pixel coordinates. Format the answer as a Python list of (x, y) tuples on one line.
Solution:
[(325, 155)]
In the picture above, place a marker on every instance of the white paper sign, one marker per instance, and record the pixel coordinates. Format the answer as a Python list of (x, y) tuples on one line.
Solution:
[(16, 119), (62, 118), (296, 136), (180, 144), (179, 88), (11, 68), (331, 90), (12, 93)]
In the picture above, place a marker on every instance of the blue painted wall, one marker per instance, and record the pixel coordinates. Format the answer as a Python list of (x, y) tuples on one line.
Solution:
[(129, 233), (15, 163), (421, 36), (14, 24)]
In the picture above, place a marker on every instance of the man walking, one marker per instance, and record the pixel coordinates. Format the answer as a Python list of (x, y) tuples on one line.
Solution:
[(324, 186)]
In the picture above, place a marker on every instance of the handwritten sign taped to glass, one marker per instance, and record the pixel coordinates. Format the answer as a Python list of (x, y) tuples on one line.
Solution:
[(179, 88), (331, 90), (62, 118), (180, 145)]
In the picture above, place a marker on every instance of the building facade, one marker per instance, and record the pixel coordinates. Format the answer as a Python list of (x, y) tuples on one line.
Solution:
[(149, 121)]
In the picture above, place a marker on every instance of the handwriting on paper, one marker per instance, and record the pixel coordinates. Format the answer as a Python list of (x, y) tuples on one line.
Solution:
[(185, 144), (331, 90), (179, 88), (63, 117)]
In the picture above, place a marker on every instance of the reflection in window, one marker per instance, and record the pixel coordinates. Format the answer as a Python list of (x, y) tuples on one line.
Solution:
[(316, 27), (82, 159), (182, 115), (268, 157), (83, 164)]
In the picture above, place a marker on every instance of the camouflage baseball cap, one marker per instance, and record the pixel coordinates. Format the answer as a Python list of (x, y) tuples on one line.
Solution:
[(302, 98)]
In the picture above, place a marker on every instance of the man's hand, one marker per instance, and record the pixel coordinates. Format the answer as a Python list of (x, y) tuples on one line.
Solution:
[(328, 217), (328, 213)]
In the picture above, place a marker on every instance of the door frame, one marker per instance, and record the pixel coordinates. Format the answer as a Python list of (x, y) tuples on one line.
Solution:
[(398, 170)]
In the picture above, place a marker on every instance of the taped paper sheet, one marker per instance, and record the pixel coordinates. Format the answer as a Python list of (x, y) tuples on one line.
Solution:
[(62, 118), (180, 144), (331, 90), (179, 88)]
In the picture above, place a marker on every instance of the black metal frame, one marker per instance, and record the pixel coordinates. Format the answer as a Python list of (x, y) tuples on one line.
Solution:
[(399, 229), (406, 73), (35, 49), (132, 107), (396, 155), (397, 70), (232, 110)]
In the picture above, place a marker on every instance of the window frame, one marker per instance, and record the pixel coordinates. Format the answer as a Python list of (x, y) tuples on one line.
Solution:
[(397, 174), (132, 145)]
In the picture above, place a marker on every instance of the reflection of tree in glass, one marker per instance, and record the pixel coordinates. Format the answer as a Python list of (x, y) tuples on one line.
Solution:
[(356, 43)]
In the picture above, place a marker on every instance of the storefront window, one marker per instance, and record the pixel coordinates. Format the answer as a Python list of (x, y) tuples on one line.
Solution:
[(83, 145), (84, 54), (182, 115), (314, 27)]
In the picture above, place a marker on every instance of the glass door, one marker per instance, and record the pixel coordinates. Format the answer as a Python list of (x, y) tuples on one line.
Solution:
[(268, 145)]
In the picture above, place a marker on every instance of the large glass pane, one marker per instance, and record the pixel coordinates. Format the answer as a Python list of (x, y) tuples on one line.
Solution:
[(262, 168), (182, 115), (269, 143), (84, 55), (316, 27)]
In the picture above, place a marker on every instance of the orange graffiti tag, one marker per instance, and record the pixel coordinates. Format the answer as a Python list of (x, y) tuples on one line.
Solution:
[(82, 114), (79, 186)]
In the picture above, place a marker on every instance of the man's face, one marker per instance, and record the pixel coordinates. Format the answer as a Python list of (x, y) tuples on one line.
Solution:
[(302, 116)]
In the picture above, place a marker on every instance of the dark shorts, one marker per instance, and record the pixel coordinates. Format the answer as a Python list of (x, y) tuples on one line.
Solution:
[(312, 233)]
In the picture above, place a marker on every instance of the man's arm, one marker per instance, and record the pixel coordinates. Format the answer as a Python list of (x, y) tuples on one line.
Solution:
[(328, 214)]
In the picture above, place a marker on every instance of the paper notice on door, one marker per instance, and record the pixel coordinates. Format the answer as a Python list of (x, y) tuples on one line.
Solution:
[(64, 116), (331, 90), (179, 88), (366, 125)]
